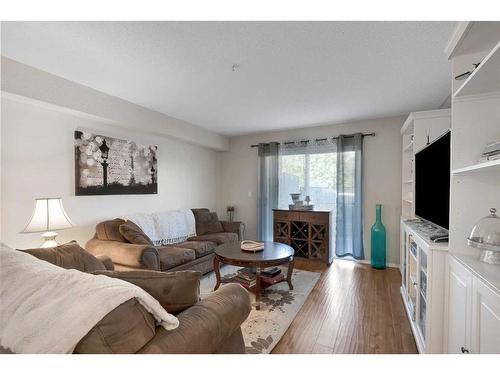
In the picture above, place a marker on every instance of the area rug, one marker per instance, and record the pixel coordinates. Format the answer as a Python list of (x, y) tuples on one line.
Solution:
[(263, 329)]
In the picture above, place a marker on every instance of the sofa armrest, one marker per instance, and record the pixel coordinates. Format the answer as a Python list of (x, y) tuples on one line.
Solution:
[(176, 291), (108, 263), (204, 327), (126, 254), (237, 227)]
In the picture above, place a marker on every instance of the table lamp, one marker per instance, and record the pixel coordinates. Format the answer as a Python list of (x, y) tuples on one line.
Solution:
[(48, 215)]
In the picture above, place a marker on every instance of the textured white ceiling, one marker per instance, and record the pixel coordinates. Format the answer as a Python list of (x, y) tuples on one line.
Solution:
[(291, 74)]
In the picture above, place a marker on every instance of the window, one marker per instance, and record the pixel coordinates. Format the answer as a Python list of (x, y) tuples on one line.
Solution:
[(310, 173)]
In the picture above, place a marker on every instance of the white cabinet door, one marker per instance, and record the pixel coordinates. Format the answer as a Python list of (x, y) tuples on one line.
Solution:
[(459, 307), (485, 331)]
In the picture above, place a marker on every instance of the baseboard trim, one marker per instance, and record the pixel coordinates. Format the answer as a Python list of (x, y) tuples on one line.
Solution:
[(366, 261), (390, 265)]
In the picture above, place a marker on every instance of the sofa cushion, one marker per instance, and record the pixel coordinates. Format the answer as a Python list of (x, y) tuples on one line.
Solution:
[(205, 326), (174, 256), (134, 234), (109, 230), (124, 330), (203, 265), (234, 227), (70, 256), (206, 222), (201, 248), (217, 238), (176, 291)]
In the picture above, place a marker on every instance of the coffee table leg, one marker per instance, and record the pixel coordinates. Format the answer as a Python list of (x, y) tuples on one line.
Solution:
[(217, 272), (257, 288), (289, 274)]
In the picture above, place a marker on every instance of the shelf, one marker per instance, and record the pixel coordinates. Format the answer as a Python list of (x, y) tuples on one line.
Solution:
[(485, 79), (489, 166), (472, 37)]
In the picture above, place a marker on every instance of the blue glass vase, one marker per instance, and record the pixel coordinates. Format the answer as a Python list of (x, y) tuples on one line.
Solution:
[(378, 240)]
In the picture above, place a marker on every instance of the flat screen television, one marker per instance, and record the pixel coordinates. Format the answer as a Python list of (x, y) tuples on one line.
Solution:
[(432, 182)]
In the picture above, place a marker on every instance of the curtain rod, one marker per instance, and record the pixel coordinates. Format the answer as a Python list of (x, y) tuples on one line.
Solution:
[(320, 139)]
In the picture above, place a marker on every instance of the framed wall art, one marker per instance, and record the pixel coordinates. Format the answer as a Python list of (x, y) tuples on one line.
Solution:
[(108, 166)]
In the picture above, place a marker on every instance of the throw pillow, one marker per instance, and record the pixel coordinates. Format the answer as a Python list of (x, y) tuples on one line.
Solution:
[(134, 234), (207, 223), (108, 230), (70, 256)]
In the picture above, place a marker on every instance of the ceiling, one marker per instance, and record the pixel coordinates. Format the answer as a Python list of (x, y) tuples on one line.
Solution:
[(290, 74)]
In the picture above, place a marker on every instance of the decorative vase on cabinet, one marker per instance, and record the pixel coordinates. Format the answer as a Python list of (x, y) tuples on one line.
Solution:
[(378, 240)]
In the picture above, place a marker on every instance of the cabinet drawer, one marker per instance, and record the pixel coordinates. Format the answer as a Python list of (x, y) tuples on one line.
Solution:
[(314, 217), (286, 216)]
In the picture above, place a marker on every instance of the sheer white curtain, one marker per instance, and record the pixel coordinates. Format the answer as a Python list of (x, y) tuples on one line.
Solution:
[(309, 168)]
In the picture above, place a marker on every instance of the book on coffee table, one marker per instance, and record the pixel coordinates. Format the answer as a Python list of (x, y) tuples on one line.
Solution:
[(272, 280), (246, 277), (245, 283), (246, 274), (268, 272)]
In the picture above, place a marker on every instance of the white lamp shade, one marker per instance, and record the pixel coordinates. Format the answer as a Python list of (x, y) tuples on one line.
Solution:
[(48, 215)]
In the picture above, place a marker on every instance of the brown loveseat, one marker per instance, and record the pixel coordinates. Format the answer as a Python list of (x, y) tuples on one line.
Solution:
[(130, 249), (208, 326)]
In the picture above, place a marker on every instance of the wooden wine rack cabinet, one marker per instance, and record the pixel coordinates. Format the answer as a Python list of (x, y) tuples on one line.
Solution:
[(309, 233)]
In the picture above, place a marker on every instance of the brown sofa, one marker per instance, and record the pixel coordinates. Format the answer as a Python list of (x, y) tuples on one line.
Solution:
[(208, 326), (130, 249)]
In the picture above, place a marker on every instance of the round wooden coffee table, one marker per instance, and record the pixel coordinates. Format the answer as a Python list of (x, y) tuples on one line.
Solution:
[(274, 254)]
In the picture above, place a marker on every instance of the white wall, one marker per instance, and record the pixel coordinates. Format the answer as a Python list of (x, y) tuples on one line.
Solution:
[(237, 183), (38, 161), (29, 82)]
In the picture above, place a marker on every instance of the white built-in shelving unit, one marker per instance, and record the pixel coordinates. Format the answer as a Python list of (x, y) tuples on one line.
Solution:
[(475, 186), (419, 129), (472, 309), (422, 261)]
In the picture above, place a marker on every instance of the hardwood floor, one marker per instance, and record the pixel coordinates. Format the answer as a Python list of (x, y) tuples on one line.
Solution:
[(352, 309)]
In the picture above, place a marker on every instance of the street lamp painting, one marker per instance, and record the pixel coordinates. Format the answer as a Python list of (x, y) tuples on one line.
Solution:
[(106, 165), (153, 177), (104, 156)]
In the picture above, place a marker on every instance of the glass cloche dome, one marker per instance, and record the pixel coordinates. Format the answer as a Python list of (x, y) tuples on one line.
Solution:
[(485, 236)]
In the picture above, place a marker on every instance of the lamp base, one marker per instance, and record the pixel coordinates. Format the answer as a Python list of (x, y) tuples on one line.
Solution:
[(49, 239)]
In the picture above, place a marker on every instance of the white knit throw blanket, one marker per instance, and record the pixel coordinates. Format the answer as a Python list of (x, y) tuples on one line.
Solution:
[(48, 309), (166, 227)]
